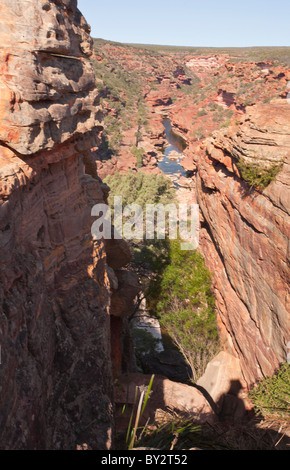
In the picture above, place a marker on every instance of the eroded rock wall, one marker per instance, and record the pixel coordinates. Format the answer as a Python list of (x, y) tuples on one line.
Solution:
[(55, 373), (245, 237)]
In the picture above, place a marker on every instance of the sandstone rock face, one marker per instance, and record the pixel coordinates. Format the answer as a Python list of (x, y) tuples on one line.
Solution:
[(262, 137), (54, 306), (245, 238), (55, 374), (47, 91)]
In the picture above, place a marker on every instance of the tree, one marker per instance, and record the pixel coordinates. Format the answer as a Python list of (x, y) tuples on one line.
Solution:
[(184, 304)]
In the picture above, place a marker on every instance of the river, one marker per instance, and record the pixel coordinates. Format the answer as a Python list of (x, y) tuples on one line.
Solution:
[(145, 329), (170, 164)]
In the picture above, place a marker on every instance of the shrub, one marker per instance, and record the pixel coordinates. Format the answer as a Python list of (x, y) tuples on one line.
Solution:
[(179, 289), (202, 112), (182, 298), (144, 341), (139, 188), (198, 134), (256, 176), (138, 153), (225, 123), (271, 397)]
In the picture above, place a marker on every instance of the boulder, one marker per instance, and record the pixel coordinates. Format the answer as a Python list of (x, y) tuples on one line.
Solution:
[(169, 363), (165, 395), (224, 383), (219, 373), (122, 299)]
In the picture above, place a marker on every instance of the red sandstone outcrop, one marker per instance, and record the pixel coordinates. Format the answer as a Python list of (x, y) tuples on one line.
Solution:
[(245, 233), (245, 237), (58, 287), (155, 98), (47, 84), (203, 65), (223, 380), (55, 280)]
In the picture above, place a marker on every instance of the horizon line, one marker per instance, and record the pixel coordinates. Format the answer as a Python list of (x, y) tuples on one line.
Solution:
[(187, 46)]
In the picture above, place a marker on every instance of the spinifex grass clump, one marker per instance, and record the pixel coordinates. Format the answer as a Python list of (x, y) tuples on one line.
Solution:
[(256, 176), (172, 433), (271, 397), (132, 431)]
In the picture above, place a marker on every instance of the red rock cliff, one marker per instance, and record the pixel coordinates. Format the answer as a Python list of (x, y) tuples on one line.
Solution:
[(55, 372), (245, 236)]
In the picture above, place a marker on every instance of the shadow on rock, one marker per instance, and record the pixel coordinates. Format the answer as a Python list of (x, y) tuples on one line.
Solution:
[(169, 363)]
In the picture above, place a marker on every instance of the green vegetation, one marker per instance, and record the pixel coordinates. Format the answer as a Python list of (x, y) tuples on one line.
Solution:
[(222, 116), (121, 92), (143, 341), (179, 291), (182, 299), (179, 432), (176, 283), (112, 134), (202, 112), (271, 397), (118, 83), (226, 123), (132, 430), (198, 134), (174, 432), (139, 188), (125, 72), (138, 153), (256, 176)]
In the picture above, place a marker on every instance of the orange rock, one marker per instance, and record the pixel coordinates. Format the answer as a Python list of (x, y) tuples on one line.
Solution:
[(55, 292), (166, 395), (246, 246)]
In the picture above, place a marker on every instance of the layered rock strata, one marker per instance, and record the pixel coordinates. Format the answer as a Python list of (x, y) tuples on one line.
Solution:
[(245, 237), (55, 281)]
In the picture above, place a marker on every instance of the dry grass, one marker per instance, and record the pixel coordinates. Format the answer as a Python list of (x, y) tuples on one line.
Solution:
[(179, 433)]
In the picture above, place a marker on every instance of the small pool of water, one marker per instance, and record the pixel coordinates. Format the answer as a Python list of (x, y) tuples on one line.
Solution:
[(170, 164)]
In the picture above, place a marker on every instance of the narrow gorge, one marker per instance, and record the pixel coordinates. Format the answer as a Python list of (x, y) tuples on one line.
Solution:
[(76, 113)]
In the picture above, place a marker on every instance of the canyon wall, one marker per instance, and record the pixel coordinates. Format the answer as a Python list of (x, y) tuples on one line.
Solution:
[(56, 381), (63, 295), (245, 236)]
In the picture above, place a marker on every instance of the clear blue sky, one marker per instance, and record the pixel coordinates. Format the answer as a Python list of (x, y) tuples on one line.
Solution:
[(217, 23)]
